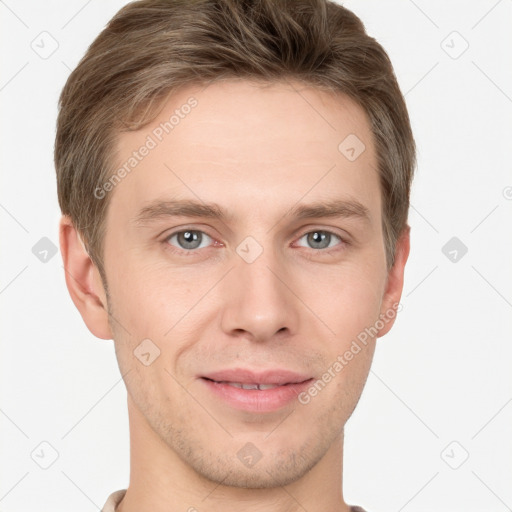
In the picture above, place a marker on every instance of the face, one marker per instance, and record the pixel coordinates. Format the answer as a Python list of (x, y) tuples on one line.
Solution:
[(245, 246)]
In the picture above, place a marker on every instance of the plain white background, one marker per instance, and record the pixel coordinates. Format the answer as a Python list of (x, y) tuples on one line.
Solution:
[(432, 429)]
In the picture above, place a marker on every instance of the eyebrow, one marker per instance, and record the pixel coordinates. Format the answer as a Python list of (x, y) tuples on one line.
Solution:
[(333, 208), (179, 208), (189, 208)]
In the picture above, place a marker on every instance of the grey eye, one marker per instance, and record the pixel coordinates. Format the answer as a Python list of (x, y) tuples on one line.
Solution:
[(320, 239), (189, 239)]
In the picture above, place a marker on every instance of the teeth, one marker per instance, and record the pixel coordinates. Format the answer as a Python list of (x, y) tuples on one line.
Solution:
[(251, 386)]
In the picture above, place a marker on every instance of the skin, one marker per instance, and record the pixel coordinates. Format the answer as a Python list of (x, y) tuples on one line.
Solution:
[(257, 151)]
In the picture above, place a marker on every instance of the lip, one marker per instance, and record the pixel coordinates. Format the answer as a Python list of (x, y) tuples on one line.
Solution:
[(278, 376), (289, 386)]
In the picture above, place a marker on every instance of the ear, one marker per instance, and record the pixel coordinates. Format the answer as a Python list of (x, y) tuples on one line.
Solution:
[(83, 280), (395, 283)]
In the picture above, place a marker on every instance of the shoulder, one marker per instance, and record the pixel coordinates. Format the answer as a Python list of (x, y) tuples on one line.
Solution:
[(114, 499)]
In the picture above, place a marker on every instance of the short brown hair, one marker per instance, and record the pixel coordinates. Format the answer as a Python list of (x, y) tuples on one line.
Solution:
[(152, 47)]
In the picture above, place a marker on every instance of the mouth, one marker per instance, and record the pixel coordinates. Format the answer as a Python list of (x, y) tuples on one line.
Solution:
[(250, 377), (256, 392), (253, 386)]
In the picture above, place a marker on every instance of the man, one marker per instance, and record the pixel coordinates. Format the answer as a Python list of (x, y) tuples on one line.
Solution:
[(234, 180)]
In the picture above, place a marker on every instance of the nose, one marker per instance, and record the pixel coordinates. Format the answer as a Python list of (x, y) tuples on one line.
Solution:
[(259, 301)]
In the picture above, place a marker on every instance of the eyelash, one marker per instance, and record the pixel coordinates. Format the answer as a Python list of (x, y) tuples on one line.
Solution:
[(192, 252)]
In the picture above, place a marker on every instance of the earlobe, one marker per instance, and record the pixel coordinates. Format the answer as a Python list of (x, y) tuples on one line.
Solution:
[(395, 283), (83, 281)]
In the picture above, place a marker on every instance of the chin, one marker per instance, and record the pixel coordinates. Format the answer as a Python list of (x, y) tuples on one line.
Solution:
[(272, 470)]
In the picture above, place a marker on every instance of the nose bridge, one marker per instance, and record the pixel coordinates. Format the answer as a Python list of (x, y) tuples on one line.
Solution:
[(259, 301)]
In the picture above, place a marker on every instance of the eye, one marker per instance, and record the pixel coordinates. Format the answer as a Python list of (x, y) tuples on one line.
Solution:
[(320, 239), (189, 239)]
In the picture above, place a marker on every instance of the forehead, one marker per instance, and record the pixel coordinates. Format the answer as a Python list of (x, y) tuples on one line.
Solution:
[(250, 144)]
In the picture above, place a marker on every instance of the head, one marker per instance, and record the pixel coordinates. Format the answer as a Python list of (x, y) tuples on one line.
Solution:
[(234, 180)]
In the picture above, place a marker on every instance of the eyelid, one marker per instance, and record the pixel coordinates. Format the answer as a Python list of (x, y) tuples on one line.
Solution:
[(182, 229), (188, 231), (342, 244), (341, 234)]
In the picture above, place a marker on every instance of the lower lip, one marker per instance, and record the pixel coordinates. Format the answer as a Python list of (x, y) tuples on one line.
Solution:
[(255, 400)]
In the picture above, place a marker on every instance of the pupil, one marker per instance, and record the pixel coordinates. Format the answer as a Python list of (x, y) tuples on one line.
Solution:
[(190, 239), (320, 239)]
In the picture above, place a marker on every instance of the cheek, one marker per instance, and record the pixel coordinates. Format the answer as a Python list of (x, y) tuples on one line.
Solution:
[(150, 300), (155, 318), (347, 300)]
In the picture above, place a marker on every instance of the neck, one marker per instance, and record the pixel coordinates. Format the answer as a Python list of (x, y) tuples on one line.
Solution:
[(161, 481)]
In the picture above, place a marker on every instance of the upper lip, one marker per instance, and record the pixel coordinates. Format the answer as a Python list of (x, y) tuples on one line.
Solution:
[(278, 376)]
